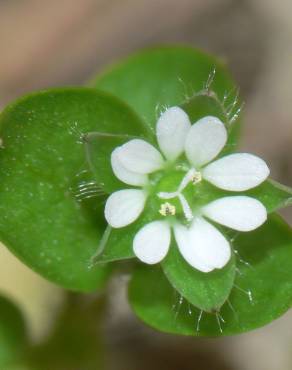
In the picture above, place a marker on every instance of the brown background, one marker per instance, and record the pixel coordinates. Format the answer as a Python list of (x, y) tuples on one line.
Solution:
[(62, 42)]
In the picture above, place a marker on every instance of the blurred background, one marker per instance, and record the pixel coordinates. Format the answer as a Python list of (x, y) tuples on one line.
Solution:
[(64, 42)]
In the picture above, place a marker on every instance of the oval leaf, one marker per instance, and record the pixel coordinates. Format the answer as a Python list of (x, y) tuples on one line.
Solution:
[(42, 220)]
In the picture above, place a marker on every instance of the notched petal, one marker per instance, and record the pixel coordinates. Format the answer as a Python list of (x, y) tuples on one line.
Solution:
[(171, 131), (187, 250), (202, 245), (205, 140)]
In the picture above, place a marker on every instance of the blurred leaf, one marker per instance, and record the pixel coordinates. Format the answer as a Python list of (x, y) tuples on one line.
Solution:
[(42, 162), (262, 291), (13, 336), (206, 291), (153, 79), (76, 339)]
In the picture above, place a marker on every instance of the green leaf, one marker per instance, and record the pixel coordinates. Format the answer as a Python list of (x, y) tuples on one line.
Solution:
[(153, 79), (13, 335), (206, 291), (262, 290), (42, 161)]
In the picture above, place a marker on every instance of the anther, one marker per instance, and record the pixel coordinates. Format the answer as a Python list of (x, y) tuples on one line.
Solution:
[(167, 209), (196, 178)]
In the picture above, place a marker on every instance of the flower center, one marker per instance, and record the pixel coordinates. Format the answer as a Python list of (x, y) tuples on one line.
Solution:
[(192, 176)]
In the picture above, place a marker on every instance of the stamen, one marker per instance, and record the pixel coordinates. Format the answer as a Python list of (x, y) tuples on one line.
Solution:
[(167, 209), (166, 195), (186, 208), (187, 179), (191, 176)]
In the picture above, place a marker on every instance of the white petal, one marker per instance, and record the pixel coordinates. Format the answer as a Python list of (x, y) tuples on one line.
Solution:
[(171, 131), (205, 140), (203, 246), (151, 243), (237, 172), (128, 177), (124, 206), (139, 156), (238, 212)]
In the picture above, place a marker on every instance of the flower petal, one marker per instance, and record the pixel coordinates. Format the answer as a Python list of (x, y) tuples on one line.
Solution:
[(240, 213), (237, 172), (124, 206), (202, 245), (126, 176), (139, 156), (205, 140), (171, 131), (152, 241)]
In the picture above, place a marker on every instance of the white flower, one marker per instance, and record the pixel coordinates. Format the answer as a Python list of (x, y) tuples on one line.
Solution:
[(200, 243)]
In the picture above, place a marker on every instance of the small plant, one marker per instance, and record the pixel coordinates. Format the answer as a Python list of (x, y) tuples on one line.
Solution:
[(142, 166)]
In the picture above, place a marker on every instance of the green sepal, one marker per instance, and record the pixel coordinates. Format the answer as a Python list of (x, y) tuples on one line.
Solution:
[(206, 291), (117, 244), (272, 194)]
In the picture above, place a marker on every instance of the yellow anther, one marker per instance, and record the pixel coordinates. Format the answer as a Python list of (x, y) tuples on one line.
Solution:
[(167, 209), (197, 177)]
